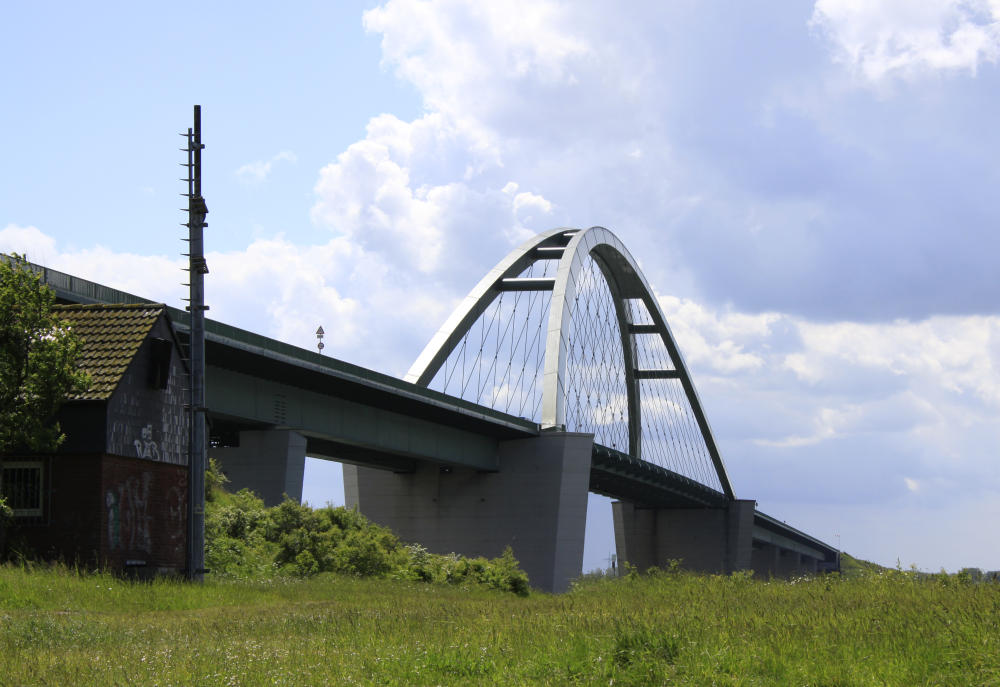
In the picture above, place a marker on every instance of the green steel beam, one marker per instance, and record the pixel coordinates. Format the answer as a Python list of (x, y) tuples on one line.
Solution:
[(250, 398)]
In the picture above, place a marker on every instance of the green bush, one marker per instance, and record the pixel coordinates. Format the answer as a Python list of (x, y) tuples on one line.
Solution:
[(246, 540), (235, 545), (215, 480)]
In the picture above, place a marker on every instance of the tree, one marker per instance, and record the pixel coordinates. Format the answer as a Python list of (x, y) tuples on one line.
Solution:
[(38, 355)]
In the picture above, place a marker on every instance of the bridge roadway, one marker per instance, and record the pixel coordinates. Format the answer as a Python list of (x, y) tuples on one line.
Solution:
[(273, 404)]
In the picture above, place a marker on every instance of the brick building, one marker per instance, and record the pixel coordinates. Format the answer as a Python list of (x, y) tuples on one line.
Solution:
[(115, 493)]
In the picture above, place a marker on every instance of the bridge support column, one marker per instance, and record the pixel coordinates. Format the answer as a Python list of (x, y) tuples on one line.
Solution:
[(715, 540), (809, 565), (269, 463), (536, 503), (789, 563), (764, 560)]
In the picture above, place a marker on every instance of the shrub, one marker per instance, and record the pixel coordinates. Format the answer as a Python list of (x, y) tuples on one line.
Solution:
[(235, 545), (245, 539), (215, 480)]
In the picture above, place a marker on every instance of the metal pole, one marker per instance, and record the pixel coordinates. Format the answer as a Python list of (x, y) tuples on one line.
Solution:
[(199, 445)]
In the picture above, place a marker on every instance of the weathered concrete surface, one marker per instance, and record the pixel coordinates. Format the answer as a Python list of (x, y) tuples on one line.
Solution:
[(765, 559), (715, 540), (536, 503), (270, 463)]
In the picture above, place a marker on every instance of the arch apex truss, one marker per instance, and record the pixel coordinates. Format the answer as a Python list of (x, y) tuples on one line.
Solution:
[(565, 330)]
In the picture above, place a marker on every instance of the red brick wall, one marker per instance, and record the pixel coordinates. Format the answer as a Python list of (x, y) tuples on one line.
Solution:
[(143, 513), (109, 510)]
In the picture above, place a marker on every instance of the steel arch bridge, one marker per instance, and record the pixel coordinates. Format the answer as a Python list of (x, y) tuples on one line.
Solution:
[(567, 332)]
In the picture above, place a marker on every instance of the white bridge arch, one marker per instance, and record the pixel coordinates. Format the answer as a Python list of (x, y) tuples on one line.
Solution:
[(581, 345)]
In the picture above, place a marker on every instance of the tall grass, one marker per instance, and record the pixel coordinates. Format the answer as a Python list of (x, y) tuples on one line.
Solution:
[(58, 626)]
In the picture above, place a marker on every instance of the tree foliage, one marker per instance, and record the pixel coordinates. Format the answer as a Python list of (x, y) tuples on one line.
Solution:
[(38, 354)]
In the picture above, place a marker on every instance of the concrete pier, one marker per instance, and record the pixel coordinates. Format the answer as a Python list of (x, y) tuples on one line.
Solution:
[(765, 559), (270, 463), (536, 503), (714, 540)]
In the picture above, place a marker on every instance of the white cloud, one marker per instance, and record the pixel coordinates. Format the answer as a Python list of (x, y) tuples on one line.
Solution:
[(714, 340), (455, 52), (26, 241), (388, 194), (885, 38), (953, 353), (290, 285), (258, 170), (373, 315), (715, 141)]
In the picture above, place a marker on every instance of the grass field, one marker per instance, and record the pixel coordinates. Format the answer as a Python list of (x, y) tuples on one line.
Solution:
[(58, 627)]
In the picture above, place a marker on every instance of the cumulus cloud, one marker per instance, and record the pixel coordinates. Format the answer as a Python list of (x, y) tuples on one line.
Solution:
[(954, 351), (717, 340), (415, 193), (271, 286), (719, 142), (884, 38), (456, 52), (257, 171), (27, 241)]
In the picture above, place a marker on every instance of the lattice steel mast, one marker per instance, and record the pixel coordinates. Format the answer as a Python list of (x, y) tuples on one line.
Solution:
[(197, 268)]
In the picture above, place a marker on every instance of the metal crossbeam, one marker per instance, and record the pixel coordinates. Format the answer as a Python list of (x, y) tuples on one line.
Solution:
[(550, 252), (657, 374), (527, 284)]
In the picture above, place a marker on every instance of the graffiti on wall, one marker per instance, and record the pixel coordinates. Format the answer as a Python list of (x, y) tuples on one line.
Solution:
[(129, 520), (146, 447), (177, 517)]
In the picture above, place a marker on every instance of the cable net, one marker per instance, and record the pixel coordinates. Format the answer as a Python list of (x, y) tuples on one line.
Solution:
[(594, 387), (499, 361)]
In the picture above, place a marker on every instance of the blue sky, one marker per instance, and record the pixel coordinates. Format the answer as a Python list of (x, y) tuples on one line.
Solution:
[(810, 188)]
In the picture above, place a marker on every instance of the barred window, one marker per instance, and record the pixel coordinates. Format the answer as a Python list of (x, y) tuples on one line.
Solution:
[(21, 486)]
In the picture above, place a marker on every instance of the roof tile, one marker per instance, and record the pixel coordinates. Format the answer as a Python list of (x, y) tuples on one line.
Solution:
[(111, 336)]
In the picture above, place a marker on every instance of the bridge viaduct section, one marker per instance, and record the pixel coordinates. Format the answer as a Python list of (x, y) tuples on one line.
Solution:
[(454, 475)]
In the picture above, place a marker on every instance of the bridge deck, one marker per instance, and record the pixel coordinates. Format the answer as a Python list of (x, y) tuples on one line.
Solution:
[(619, 475)]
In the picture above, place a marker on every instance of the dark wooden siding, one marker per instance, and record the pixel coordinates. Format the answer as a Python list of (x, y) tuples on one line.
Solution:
[(146, 422)]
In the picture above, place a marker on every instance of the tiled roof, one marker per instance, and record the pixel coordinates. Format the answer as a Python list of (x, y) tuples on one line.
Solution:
[(111, 336)]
